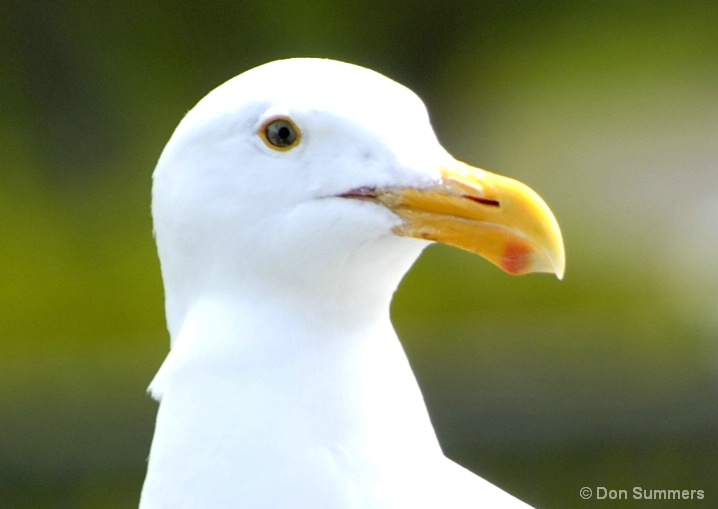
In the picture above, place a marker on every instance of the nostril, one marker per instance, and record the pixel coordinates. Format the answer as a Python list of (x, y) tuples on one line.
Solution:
[(483, 201)]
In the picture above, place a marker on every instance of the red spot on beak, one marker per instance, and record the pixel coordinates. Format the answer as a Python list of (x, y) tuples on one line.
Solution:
[(517, 258)]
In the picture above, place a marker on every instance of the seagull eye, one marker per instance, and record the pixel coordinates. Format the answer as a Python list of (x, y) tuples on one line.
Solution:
[(280, 134)]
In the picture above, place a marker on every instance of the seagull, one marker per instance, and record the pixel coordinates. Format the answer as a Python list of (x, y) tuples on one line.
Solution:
[(287, 206)]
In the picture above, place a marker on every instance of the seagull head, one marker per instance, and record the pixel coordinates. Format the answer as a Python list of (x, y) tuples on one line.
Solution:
[(314, 177)]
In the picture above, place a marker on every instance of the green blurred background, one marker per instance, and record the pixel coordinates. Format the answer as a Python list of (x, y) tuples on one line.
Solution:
[(608, 109)]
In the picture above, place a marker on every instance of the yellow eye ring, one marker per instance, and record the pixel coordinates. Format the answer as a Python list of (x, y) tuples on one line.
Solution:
[(280, 133)]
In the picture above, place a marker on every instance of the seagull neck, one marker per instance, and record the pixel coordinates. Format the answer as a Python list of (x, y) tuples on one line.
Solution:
[(238, 333), (311, 398)]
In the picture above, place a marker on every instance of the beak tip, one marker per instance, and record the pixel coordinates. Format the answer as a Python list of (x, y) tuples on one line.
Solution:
[(557, 263), (559, 272)]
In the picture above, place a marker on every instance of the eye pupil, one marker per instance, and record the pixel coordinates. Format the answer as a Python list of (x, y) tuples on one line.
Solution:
[(281, 133), (284, 132)]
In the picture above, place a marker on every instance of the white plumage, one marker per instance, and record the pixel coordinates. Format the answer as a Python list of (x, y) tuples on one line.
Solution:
[(286, 386)]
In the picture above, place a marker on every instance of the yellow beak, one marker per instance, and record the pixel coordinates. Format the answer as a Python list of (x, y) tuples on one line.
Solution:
[(496, 217)]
